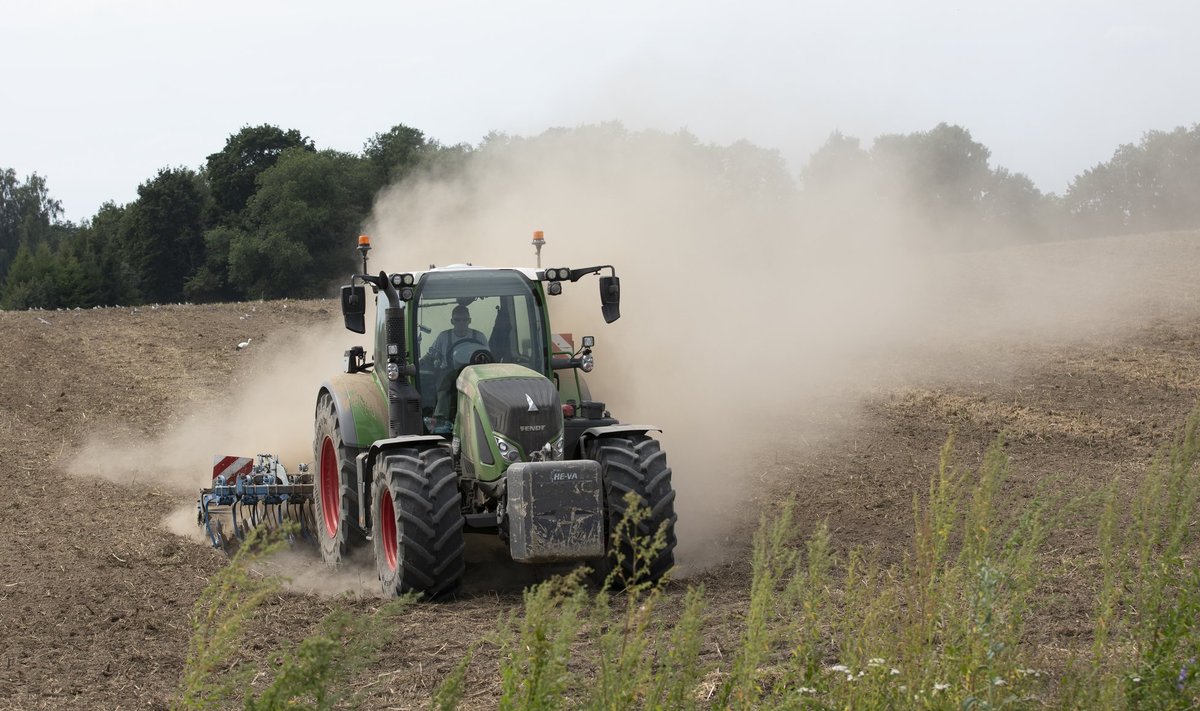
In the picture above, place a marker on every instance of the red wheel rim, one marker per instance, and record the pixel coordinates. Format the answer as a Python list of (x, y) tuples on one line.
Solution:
[(331, 494), (387, 526)]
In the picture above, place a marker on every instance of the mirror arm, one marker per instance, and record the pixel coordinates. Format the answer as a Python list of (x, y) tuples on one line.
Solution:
[(375, 282), (560, 363), (577, 274)]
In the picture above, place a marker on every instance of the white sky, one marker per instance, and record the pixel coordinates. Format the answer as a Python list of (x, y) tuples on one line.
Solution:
[(100, 94)]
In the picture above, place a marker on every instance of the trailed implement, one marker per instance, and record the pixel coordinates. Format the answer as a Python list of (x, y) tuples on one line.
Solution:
[(248, 492)]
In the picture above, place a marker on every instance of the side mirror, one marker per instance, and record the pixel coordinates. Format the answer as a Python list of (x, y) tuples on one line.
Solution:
[(610, 298), (354, 306)]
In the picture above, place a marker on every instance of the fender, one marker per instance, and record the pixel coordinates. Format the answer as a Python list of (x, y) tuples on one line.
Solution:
[(367, 458), (591, 433), (361, 407), (365, 464)]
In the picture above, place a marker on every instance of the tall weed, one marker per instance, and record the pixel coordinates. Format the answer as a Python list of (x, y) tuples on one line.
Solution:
[(1147, 619), (941, 628), (310, 675)]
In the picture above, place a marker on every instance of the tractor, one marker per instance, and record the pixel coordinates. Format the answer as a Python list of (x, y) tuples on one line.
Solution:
[(469, 414)]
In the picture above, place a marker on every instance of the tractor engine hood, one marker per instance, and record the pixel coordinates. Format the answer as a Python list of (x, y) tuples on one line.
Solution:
[(520, 404)]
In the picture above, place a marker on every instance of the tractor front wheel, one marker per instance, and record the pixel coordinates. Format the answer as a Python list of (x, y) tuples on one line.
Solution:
[(335, 491), (635, 465), (418, 518)]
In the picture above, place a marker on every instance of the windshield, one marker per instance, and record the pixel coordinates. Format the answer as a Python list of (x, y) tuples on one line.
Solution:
[(460, 314)]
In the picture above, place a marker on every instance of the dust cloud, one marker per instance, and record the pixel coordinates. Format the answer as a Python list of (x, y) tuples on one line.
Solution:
[(269, 410), (750, 316)]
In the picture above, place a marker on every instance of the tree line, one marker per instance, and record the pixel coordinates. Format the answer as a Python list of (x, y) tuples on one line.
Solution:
[(270, 215), (945, 181)]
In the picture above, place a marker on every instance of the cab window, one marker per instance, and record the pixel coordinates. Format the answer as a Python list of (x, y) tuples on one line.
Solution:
[(504, 319)]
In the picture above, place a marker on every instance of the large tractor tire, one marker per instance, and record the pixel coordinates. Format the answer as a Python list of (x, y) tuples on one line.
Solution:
[(335, 490), (635, 463), (418, 517)]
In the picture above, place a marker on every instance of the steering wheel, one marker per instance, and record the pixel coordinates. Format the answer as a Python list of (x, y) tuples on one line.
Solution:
[(468, 351)]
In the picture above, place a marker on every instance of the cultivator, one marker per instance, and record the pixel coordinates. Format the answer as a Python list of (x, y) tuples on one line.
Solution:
[(247, 493)]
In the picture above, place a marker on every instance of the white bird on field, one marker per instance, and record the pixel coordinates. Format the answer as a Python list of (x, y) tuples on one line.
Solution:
[(244, 343)]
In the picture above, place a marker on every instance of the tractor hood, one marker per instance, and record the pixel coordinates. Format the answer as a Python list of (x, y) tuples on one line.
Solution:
[(520, 404)]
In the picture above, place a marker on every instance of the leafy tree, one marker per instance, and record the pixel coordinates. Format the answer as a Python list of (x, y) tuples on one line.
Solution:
[(936, 184), (99, 247), (34, 279), (749, 169), (395, 154), (944, 169), (404, 151), (28, 215), (440, 161), (233, 171), (162, 233), (80, 282), (1145, 187), (1013, 203), (839, 163), (211, 282), (302, 223)]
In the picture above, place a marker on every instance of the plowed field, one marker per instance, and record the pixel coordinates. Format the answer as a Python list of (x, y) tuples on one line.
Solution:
[(96, 585)]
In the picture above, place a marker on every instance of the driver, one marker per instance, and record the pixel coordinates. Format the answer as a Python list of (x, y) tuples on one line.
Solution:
[(439, 356), (460, 320)]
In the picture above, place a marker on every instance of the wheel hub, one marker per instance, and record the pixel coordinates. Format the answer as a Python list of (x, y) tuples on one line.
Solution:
[(331, 494), (387, 529)]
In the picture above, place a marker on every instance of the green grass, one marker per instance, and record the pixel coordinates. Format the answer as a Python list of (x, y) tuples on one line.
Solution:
[(310, 675), (942, 628)]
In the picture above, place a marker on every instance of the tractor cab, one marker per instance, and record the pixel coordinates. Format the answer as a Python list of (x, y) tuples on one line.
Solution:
[(469, 316)]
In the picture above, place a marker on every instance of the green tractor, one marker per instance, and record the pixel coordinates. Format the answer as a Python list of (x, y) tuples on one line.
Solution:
[(470, 414)]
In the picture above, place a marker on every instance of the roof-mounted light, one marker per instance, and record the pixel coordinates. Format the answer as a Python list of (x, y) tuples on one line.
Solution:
[(404, 284), (364, 246)]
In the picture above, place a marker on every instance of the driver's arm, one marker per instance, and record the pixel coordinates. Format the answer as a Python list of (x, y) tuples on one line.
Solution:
[(436, 353)]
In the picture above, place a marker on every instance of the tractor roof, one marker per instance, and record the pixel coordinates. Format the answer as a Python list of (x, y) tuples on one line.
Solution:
[(529, 273)]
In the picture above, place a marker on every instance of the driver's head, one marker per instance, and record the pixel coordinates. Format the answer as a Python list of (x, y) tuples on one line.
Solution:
[(460, 319)]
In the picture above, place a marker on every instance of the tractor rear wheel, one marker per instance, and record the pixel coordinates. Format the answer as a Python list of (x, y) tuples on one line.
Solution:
[(335, 490), (635, 464), (417, 510)]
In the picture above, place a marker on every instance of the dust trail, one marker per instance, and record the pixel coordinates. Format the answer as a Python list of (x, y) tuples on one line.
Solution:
[(747, 315), (749, 319), (300, 567), (269, 411)]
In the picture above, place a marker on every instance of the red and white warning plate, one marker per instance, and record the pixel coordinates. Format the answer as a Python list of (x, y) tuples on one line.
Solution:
[(562, 343), (233, 468)]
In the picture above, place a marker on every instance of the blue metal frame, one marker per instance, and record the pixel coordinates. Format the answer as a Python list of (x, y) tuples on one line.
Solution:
[(263, 499)]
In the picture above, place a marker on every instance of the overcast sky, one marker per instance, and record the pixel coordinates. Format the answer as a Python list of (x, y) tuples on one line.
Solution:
[(100, 94)]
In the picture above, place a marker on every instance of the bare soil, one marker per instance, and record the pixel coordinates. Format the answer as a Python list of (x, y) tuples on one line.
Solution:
[(95, 595)]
